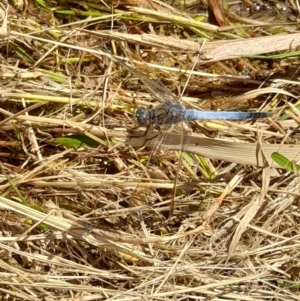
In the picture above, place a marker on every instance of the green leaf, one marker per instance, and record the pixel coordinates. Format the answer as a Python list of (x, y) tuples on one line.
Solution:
[(277, 56), (17, 132), (21, 53), (76, 141), (285, 116), (17, 191), (285, 163), (42, 3)]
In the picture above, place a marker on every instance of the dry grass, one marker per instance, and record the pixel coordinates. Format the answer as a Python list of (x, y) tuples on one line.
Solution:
[(84, 206)]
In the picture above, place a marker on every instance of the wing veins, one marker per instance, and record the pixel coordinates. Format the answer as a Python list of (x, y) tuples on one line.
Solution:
[(157, 90)]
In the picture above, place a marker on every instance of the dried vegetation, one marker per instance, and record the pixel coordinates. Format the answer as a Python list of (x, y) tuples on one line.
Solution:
[(84, 206)]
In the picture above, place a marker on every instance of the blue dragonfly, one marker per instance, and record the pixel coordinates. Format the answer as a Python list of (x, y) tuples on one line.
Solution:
[(171, 112)]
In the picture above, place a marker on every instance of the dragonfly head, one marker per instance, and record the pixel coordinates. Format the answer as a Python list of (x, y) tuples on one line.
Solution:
[(143, 116)]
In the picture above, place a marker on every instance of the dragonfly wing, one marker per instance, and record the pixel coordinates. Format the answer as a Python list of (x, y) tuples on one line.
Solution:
[(157, 90), (183, 128)]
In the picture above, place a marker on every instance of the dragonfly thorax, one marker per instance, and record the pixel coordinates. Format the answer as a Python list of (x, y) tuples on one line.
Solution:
[(165, 113)]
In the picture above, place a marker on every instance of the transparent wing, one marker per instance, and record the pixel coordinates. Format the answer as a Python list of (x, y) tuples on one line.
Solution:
[(157, 90), (183, 128)]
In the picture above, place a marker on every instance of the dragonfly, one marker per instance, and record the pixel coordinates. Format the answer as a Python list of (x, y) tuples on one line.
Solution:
[(171, 112)]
